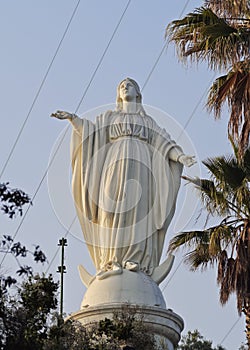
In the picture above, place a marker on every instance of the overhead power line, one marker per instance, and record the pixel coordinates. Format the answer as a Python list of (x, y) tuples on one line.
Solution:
[(64, 134), (39, 90), (161, 52), (169, 279), (229, 331), (102, 56), (36, 192)]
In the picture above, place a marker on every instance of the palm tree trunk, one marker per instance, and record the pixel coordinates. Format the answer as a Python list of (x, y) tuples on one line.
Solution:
[(247, 314), (247, 300)]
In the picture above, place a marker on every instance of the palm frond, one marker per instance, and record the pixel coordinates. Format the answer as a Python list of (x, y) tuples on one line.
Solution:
[(188, 239), (242, 256), (215, 243), (230, 8), (235, 147), (202, 35), (246, 163), (199, 258), (227, 282), (222, 262), (241, 200), (220, 238), (206, 245), (234, 89), (231, 177), (214, 200), (226, 170)]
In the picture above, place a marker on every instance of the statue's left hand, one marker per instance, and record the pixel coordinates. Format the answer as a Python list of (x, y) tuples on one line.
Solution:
[(63, 115), (187, 160)]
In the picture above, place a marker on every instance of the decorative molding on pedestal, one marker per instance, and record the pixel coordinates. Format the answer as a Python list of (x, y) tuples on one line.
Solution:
[(165, 325)]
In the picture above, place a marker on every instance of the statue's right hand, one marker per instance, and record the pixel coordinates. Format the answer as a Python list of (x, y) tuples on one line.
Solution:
[(62, 115)]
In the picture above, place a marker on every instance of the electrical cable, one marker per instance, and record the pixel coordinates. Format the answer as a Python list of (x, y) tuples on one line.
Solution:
[(64, 134), (103, 55), (172, 275), (39, 89), (36, 192), (161, 52), (229, 331)]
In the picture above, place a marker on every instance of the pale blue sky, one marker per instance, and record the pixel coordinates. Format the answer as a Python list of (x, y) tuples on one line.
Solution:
[(30, 33)]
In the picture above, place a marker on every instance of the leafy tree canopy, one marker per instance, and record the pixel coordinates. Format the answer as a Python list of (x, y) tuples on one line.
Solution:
[(195, 341)]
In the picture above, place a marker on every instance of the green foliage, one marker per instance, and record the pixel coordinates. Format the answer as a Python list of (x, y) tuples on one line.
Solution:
[(19, 251), (66, 335), (195, 341), (25, 315), (204, 35), (28, 322), (125, 328), (12, 200)]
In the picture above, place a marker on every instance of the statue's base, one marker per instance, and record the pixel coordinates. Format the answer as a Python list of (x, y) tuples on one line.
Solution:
[(119, 292), (165, 325)]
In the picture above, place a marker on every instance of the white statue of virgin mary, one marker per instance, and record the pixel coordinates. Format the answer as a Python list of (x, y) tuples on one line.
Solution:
[(126, 173)]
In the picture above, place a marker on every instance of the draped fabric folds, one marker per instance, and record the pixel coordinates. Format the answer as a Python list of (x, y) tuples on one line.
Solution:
[(124, 187)]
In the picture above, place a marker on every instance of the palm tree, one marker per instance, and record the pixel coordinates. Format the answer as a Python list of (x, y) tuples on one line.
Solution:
[(225, 195), (219, 33)]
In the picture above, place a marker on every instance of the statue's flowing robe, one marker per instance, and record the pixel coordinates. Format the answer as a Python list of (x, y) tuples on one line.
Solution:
[(124, 187)]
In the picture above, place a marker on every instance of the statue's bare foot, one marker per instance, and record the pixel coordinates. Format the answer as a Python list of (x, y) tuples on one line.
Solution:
[(112, 269), (131, 266)]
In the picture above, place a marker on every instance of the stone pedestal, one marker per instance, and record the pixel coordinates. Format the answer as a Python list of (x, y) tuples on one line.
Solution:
[(135, 289)]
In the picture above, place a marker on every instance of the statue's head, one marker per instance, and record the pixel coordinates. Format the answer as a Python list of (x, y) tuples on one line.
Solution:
[(119, 101)]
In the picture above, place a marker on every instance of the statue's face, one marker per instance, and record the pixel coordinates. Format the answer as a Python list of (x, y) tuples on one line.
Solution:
[(128, 91)]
